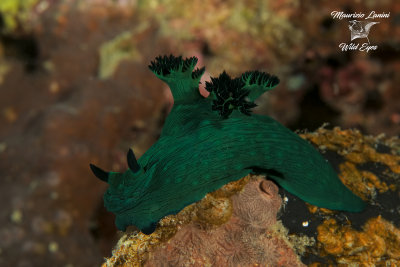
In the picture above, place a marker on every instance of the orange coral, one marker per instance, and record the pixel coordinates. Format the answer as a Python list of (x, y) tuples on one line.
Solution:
[(363, 183), (313, 209), (354, 146), (377, 244), (357, 149)]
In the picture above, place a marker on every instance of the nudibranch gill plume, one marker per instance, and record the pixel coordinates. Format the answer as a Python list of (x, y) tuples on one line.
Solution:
[(208, 142)]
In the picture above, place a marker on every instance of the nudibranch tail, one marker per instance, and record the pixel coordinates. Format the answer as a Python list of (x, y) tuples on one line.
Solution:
[(180, 76)]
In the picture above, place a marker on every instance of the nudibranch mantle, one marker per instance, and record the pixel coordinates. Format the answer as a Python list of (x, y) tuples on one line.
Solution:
[(208, 142)]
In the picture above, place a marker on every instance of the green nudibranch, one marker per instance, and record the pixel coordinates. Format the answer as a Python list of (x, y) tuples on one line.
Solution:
[(208, 142)]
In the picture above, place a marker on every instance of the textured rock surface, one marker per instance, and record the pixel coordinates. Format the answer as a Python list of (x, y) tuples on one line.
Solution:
[(245, 240), (240, 230), (370, 166)]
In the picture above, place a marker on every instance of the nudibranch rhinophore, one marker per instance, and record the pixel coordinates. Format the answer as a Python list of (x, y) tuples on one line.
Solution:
[(208, 142)]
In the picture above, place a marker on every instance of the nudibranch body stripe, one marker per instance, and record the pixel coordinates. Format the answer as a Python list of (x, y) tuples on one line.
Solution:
[(208, 142)]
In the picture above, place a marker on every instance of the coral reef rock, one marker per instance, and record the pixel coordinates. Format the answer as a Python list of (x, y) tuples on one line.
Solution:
[(223, 230)]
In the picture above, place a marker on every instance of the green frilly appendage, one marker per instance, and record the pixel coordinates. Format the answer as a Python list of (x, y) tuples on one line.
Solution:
[(180, 76)]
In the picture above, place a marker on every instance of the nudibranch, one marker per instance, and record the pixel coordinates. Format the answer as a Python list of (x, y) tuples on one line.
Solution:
[(208, 142)]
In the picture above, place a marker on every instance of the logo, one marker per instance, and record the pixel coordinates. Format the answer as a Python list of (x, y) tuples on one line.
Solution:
[(359, 29)]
